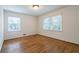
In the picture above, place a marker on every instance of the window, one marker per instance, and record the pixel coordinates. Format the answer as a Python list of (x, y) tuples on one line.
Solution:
[(14, 24), (53, 23)]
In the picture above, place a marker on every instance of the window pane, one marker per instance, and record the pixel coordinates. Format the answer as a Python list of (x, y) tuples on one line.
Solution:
[(14, 24), (47, 24), (57, 23)]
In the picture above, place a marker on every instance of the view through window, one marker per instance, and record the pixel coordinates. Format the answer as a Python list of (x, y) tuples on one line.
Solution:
[(53, 23), (14, 24)]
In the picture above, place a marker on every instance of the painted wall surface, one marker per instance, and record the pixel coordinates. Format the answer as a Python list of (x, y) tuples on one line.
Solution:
[(70, 31), (28, 25), (1, 27)]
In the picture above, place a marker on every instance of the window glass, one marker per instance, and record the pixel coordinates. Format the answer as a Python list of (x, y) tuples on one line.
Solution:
[(47, 24), (53, 23), (57, 23), (14, 24)]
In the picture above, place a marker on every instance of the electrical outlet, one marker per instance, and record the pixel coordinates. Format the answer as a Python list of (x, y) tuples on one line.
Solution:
[(24, 34)]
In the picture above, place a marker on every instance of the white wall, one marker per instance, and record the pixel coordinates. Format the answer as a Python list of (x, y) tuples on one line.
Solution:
[(1, 27), (70, 31), (28, 25)]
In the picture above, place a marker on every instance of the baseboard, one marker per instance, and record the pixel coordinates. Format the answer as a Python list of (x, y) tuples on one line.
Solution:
[(47, 37), (59, 39), (22, 36)]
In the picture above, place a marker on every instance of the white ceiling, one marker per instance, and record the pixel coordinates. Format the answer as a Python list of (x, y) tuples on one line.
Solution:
[(27, 9)]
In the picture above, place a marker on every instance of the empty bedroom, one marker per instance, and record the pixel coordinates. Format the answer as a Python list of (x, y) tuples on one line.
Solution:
[(39, 28)]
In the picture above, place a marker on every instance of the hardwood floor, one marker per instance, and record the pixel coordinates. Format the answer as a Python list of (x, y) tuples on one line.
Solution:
[(38, 44)]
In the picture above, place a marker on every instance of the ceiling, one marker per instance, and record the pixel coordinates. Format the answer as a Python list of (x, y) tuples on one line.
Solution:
[(28, 9)]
